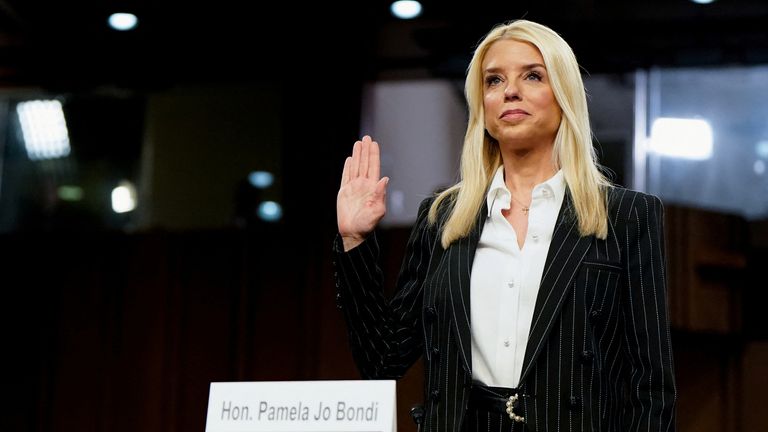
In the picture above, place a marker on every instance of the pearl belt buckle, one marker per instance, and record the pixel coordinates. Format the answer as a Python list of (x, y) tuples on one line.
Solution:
[(511, 403)]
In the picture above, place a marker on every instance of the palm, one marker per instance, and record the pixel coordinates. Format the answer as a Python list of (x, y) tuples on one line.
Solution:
[(358, 207), (361, 204)]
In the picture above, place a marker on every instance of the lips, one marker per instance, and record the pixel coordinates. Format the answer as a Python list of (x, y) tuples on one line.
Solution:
[(514, 113)]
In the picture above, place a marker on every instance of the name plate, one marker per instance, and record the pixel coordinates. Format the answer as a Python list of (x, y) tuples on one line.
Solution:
[(302, 406)]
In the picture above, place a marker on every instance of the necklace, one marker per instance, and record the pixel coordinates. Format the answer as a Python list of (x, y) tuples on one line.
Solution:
[(526, 208)]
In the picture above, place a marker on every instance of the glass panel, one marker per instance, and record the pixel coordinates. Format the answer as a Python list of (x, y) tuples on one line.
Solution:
[(705, 138)]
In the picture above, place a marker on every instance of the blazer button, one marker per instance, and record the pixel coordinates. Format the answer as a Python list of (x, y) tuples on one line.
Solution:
[(574, 402), (587, 356), (435, 394), (594, 316), (436, 352), (430, 314), (338, 301)]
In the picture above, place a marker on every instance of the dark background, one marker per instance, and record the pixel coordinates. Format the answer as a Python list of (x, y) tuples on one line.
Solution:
[(121, 322)]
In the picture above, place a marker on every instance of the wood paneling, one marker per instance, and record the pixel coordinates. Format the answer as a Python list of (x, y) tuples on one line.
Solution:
[(707, 256)]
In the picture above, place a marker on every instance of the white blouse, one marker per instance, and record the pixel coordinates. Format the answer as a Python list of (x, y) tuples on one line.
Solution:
[(505, 280)]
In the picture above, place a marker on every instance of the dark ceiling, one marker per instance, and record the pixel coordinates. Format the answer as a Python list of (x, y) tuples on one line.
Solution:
[(65, 45)]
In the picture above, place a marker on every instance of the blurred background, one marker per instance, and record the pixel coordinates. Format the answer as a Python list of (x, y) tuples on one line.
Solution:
[(168, 183)]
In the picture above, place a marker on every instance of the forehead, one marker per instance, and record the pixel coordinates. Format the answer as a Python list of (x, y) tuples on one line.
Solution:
[(511, 53)]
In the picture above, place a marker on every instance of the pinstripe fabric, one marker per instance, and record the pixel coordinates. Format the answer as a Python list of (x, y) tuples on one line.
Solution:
[(599, 354), (483, 421)]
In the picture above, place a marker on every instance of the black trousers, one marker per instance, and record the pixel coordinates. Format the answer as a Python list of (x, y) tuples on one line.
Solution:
[(487, 411)]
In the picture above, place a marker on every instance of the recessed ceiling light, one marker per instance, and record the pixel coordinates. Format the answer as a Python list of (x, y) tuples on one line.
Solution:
[(261, 179), (405, 9), (270, 211), (123, 21)]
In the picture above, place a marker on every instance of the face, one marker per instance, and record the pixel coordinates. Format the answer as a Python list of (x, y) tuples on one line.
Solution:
[(520, 108)]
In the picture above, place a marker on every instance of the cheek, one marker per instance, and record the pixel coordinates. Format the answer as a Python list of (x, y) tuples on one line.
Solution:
[(558, 114), (488, 109), (488, 101), (550, 104)]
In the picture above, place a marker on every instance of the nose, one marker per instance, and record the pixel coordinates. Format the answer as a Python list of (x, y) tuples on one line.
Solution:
[(511, 91)]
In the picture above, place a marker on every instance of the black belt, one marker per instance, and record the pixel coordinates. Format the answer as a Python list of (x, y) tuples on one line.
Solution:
[(500, 400)]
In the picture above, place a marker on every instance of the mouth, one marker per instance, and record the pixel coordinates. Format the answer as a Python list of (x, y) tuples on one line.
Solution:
[(514, 114)]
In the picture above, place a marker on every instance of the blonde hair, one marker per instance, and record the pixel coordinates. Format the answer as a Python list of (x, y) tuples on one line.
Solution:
[(573, 151)]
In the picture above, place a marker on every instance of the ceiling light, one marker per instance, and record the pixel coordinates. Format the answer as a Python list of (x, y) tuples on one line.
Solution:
[(405, 9), (261, 179), (123, 21), (44, 129), (270, 211)]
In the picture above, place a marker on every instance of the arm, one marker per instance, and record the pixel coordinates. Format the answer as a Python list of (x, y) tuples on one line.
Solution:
[(651, 393), (384, 335)]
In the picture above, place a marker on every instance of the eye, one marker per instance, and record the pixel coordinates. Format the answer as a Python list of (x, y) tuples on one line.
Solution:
[(533, 75), (492, 80)]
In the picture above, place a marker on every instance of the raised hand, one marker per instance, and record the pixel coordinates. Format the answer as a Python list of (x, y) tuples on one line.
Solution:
[(361, 204)]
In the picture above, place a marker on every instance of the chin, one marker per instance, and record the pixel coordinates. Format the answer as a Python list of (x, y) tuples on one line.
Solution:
[(515, 136), (526, 142)]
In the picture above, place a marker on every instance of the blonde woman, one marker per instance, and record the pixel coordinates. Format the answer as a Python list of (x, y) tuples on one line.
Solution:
[(533, 288)]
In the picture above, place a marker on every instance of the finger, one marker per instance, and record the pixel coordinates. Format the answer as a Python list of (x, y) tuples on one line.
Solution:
[(355, 171), (345, 173), (374, 161), (364, 155), (381, 187)]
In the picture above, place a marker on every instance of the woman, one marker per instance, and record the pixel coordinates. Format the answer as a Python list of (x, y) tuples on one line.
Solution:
[(533, 288)]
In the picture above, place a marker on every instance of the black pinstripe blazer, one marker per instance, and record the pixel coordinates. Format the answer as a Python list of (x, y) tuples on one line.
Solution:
[(599, 354)]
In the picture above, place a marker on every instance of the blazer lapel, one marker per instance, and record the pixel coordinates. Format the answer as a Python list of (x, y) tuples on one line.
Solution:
[(461, 255), (566, 251)]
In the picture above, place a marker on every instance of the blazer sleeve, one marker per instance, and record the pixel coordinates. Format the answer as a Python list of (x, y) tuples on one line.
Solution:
[(650, 404), (384, 334)]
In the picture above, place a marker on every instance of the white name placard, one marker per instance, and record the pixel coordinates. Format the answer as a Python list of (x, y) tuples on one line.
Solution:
[(302, 406)]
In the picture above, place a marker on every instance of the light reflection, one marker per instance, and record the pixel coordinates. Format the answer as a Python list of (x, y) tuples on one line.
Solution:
[(682, 138)]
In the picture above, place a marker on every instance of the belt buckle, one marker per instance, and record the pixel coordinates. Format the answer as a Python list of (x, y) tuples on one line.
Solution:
[(511, 403)]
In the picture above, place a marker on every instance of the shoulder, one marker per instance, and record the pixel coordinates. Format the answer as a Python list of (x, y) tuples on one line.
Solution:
[(627, 204), (422, 217), (426, 204), (440, 214), (444, 205)]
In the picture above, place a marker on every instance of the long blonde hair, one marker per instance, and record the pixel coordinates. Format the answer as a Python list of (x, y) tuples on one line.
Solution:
[(573, 151)]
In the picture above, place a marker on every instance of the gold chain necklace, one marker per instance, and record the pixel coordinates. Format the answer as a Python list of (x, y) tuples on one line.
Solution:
[(526, 208)]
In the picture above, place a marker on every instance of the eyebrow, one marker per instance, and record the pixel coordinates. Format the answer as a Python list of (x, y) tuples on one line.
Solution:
[(524, 67)]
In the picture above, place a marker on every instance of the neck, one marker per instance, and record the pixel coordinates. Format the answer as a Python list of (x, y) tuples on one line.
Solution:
[(525, 168)]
